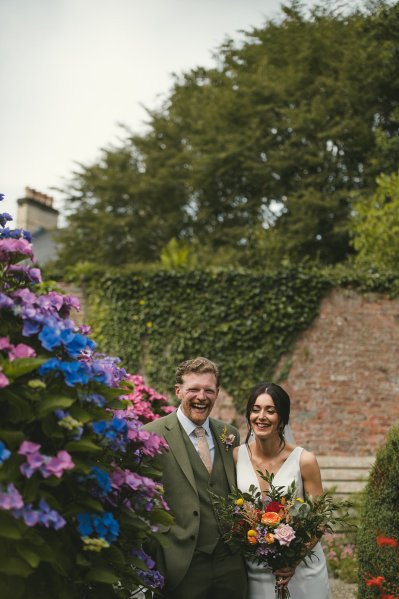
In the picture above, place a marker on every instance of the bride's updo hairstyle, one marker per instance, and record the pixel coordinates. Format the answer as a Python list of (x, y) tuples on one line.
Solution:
[(281, 401)]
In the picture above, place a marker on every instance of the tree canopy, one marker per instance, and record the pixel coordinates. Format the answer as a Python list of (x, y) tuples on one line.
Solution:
[(376, 229), (256, 159)]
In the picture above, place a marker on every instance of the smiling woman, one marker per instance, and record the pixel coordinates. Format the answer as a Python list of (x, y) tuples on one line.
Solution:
[(266, 452)]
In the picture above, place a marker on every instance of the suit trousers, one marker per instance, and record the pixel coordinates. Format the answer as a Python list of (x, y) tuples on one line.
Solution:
[(220, 575)]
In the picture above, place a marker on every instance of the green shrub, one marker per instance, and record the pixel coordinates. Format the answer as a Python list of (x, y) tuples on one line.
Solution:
[(380, 516)]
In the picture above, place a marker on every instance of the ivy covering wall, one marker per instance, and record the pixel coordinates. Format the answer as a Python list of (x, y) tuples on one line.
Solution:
[(244, 322)]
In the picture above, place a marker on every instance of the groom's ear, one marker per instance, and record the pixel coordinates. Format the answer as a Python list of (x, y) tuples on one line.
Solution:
[(178, 391)]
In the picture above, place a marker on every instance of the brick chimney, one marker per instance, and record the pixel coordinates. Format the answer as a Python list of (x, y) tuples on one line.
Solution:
[(35, 212)]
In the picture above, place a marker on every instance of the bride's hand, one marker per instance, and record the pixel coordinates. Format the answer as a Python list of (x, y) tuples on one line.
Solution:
[(283, 576)]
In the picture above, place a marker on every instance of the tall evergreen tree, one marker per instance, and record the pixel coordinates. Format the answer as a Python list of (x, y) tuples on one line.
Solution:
[(258, 156)]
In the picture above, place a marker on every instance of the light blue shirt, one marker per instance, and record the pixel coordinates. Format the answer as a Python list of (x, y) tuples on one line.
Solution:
[(189, 428)]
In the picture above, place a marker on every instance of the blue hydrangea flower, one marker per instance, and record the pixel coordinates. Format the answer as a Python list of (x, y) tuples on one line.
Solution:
[(76, 343), (103, 480), (50, 337), (75, 372), (4, 453), (115, 431), (95, 398), (106, 527), (85, 526), (49, 366)]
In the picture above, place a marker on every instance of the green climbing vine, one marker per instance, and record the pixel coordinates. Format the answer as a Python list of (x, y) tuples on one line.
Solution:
[(244, 322)]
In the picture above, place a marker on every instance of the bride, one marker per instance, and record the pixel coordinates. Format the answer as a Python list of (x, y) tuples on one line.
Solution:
[(265, 448)]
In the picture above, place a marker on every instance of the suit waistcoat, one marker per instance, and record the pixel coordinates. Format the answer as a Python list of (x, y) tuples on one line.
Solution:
[(216, 482)]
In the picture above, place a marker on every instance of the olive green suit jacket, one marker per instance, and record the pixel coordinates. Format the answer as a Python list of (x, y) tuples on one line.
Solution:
[(181, 494)]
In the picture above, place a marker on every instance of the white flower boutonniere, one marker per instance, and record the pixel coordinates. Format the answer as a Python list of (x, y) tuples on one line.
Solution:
[(226, 439)]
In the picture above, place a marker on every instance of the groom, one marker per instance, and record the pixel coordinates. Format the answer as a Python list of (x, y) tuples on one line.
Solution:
[(195, 561)]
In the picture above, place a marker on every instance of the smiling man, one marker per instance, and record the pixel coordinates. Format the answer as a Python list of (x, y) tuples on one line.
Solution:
[(195, 561)]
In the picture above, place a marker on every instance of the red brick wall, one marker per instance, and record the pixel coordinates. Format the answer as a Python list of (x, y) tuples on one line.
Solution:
[(344, 378)]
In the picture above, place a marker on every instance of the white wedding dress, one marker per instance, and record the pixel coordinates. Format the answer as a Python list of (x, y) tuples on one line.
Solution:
[(309, 581)]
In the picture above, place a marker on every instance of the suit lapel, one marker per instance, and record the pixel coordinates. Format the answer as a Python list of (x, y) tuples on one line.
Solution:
[(174, 437), (227, 459)]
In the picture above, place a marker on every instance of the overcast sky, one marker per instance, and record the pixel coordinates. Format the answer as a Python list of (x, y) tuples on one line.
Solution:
[(70, 70)]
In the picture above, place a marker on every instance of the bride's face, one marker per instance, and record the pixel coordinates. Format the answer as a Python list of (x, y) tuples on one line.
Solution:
[(264, 419)]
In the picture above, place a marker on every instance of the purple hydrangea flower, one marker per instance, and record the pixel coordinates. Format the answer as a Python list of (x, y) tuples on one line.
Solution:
[(151, 578), (14, 246), (44, 515), (4, 218), (5, 301), (10, 499)]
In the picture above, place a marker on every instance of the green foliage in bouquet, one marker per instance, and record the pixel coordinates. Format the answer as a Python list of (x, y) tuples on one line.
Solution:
[(379, 518), (279, 529), (78, 497)]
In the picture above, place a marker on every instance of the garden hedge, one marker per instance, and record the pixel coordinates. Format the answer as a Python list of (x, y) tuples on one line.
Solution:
[(379, 523)]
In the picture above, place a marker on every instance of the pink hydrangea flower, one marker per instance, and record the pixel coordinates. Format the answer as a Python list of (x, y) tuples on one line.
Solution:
[(21, 350), (58, 464), (27, 447), (3, 380), (10, 499), (15, 246), (4, 343)]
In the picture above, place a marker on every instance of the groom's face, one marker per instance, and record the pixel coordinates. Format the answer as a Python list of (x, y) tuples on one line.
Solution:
[(197, 395)]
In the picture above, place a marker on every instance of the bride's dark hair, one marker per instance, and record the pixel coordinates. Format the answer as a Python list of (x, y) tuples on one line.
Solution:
[(281, 401)]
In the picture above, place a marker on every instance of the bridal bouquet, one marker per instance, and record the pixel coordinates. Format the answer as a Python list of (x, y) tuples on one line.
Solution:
[(278, 530)]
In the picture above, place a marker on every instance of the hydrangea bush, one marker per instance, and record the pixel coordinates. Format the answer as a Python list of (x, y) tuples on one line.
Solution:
[(78, 496)]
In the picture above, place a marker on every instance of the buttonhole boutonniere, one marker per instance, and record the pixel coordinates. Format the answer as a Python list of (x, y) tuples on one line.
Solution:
[(226, 439)]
